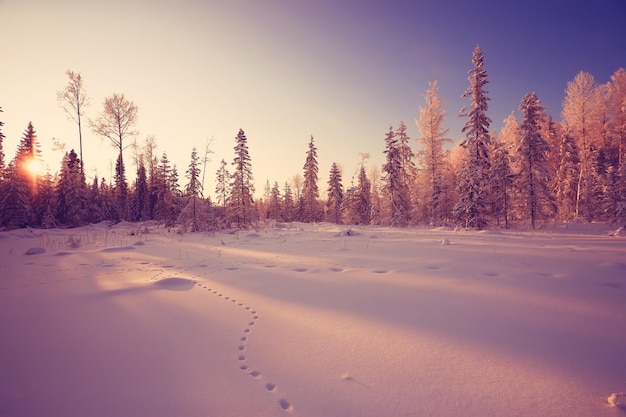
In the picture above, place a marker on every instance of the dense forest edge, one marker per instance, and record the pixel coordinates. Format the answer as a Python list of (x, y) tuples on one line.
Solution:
[(530, 174)]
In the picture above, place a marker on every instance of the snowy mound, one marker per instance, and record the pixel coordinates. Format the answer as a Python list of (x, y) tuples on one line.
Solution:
[(118, 249), (34, 251), (174, 284)]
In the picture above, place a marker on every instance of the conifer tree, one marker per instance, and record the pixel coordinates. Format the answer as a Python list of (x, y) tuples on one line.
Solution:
[(241, 202), (395, 185), (45, 203), (363, 194), (192, 216), (473, 185), (310, 191), (95, 204), (70, 192), (288, 203), (222, 185), (501, 180), (534, 177), (141, 196), (433, 154), (335, 195), (274, 210)]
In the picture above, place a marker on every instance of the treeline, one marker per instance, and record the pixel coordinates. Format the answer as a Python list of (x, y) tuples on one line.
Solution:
[(526, 175)]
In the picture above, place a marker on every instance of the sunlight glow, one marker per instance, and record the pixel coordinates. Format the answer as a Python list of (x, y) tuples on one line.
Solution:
[(34, 167)]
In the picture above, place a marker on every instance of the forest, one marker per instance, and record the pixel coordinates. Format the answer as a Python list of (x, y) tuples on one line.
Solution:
[(530, 174)]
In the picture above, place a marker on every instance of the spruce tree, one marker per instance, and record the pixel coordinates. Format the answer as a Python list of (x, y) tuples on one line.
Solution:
[(242, 211), (288, 203), (395, 185), (534, 177), (472, 206), (274, 210), (141, 196), (335, 195), (192, 216), (46, 204), (501, 180), (310, 191), (70, 192)]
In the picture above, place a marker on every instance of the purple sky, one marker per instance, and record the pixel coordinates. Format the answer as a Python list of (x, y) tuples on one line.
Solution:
[(342, 71)]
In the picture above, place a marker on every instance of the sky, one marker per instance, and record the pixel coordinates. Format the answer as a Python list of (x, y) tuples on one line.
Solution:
[(283, 71)]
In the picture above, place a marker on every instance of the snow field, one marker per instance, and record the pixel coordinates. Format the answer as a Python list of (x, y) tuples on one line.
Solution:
[(308, 321)]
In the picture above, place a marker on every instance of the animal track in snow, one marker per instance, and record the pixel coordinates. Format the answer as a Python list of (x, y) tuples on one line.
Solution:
[(242, 359)]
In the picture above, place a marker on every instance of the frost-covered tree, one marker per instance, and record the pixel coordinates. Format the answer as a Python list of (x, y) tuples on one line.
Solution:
[(242, 211), (432, 155), (618, 113), (95, 204), (73, 100), (501, 177), (310, 190), (567, 177), (534, 176), (335, 195), (582, 118), (116, 123), (395, 188), (473, 178)]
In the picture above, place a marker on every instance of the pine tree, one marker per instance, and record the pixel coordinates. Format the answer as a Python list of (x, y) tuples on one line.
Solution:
[(192, 215), (222, 185), (141, 196), (45, 203), (94, 203), (534, 177), (241, 202), (433, 154), (70, 192), (274, 210), (288, 203), (363, 193), (395, 185), (473, 182), (501, 180), (21, 183), (310, 190), (335, 195)]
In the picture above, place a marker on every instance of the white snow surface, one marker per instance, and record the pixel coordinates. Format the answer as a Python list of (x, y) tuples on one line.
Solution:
[(306, 320)]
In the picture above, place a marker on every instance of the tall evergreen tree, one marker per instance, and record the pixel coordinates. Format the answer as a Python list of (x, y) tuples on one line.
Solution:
[(141, 197), (45, 203), (70, 192), (432, 153), (288, 203), (335, 195), (534, 177), (241, 205), (473, 184), (501, 180), (274, 210), (310, 191), (192, 216), (395, 185)]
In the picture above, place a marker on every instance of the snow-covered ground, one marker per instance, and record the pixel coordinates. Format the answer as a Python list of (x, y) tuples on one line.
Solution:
[(308, 321)]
